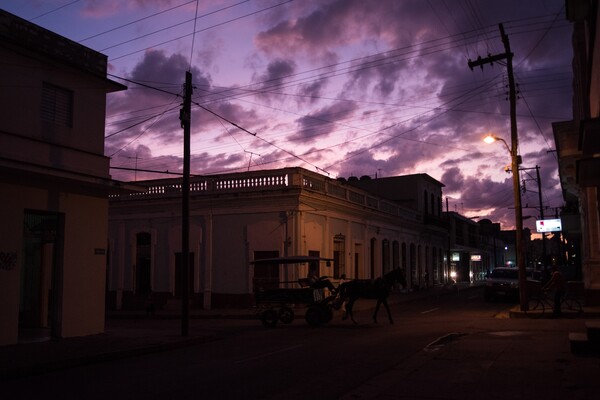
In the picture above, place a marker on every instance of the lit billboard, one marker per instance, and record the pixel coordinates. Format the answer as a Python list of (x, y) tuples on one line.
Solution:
[(548, 225)]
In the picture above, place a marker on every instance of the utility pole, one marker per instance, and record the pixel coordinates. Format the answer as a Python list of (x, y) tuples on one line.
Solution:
[(185, 115), (539, 182), (515, 158)]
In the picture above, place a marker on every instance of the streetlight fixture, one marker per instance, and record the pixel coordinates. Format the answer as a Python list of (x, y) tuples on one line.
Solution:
[(493, 138), (515, 161)]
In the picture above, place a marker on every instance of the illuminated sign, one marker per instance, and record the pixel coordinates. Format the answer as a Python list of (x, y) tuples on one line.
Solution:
[(475, 257), (548, 225)]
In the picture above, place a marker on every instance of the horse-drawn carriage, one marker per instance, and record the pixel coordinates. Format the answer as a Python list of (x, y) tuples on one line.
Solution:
[(276, 301)]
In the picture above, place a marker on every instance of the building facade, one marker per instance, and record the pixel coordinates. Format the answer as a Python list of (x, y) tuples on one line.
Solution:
[(578, 147), (237, 218), (54, 184), (474, 248)]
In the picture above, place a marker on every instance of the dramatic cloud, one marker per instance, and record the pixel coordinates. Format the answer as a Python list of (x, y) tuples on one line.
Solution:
[(321, 122), (350, 87), (271, 81)]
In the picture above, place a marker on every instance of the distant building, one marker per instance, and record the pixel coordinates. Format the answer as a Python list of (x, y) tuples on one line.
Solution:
[(423, 195), (578, 146), (474, 248), (491, 245), (239, 217), (510, 242), (54, 183)]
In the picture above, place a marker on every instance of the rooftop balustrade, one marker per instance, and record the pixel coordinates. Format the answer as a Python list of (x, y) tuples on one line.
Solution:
[(260, 181)]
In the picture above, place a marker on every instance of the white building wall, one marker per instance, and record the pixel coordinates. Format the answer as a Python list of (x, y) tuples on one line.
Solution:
[(230, 231)]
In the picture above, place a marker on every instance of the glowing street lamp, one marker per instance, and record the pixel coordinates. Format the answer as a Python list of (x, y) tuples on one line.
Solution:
[(492, 138), (512, 150)]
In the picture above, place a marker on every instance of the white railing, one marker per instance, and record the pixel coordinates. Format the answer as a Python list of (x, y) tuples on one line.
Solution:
[(265, 180)]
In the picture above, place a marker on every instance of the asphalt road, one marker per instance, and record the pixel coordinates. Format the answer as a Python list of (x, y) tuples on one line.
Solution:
[(296, 361)]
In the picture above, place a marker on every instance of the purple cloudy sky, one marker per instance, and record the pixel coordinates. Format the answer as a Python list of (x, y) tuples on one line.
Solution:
[(341, 87)]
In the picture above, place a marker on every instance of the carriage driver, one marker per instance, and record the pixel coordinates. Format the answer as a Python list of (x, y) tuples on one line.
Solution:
[(315, 281)]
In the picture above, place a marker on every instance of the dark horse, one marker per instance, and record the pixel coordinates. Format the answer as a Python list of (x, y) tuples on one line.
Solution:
[(378, 289)]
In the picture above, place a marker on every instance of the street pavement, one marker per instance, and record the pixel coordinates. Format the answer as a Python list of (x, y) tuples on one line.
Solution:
[(461, 365)]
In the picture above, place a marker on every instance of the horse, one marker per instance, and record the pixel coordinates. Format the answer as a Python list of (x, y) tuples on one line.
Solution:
[(378, 289)]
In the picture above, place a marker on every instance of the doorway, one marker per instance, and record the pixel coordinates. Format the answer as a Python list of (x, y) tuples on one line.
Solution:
[(41, 276), (143, 273), (179, 275), (266, 276), (358, 256)]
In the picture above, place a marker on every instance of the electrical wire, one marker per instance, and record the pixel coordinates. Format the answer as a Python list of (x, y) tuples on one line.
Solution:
[(193, 36), (116, 28), (55, 9), (186, 35), (260, 138), (267, 92)]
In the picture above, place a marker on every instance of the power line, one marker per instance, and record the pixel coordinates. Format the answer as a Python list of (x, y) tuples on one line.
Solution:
[(134, 22), (157, 118), (193, 36), (55, 9), (186, 35), (281, 86), (143, 84), (139, 123), (258, 137)]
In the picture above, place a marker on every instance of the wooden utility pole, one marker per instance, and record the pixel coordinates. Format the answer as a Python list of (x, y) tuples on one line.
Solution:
[(185, 117), (515, 158), (539, 182)]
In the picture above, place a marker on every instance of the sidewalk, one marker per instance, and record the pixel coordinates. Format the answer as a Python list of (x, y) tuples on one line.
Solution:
[(130, 334)]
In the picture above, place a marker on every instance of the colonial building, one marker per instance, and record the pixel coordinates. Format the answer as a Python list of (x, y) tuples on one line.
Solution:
[(578, 147), (423, 195), (54, 183), (236, 218)]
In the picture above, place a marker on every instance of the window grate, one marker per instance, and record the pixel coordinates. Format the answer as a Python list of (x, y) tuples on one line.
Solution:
[(57, 105)]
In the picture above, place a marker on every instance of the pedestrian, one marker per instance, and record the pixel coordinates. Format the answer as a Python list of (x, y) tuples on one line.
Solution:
[(427, 279), (559, 283)]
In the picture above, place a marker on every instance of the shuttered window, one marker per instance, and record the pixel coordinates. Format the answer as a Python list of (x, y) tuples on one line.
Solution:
[(57, 105)]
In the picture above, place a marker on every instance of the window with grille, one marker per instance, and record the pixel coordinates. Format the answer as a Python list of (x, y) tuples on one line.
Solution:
[(57, 105)]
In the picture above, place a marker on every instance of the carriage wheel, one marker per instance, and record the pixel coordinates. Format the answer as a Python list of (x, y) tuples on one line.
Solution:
[(269, 318), (325, 314), (286, 315), (313, 315)]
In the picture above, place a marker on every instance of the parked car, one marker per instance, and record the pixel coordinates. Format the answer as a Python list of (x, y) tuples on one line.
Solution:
[(503, 283)]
